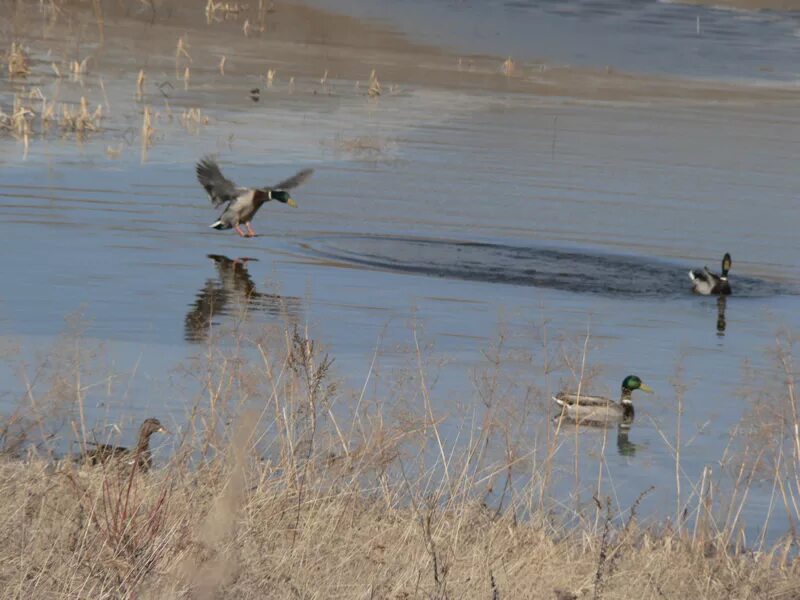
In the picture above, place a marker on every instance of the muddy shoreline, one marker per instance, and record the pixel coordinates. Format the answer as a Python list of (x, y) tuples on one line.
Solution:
[(303, 42)]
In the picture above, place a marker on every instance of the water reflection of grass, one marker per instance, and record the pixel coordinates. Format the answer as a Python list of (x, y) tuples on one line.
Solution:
[(281, 480)]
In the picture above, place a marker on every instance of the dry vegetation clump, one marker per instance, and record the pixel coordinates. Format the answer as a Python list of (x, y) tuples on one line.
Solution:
[(273, 491), (223, 11), (78, 69), (17, 61), (140, 79), (364, 147), (33, 108), (509, 67), (80, 121), (193, 120), (374, 86), (19, 122), (148, 132)]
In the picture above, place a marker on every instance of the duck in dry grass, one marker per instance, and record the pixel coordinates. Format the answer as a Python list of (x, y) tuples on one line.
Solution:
[(242, 203), (141, 456), (598, 410), (707, 283)]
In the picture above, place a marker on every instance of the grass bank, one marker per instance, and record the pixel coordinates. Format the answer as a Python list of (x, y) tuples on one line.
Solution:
[(282, 484)]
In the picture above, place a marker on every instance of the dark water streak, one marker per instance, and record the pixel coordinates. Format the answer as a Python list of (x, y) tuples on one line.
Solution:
[(577, 271)]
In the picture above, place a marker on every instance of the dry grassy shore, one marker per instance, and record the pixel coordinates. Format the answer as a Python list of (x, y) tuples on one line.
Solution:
[(279, 484)]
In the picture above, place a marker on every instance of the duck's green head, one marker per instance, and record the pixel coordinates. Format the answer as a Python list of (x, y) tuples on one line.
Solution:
[(632, 382), (726, 265), (283, 196)]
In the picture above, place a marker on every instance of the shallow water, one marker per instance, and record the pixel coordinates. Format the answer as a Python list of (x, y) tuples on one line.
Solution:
[(581, 272), (480, 213), (646, 36)]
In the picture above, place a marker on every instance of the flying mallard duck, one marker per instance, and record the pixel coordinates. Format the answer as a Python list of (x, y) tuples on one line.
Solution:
[(597, 410), (243, 203), (706, 283), (102, 453)]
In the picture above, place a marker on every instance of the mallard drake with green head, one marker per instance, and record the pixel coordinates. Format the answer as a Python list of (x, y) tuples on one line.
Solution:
[(707, 283), (597, 410), (141, 456), (242, 203)]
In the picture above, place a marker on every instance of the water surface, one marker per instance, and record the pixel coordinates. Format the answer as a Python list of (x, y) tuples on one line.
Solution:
[(647, 36)]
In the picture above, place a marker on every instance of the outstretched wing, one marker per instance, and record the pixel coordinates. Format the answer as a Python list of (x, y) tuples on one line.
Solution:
[(710, 275), (219, 188), (293, 181)]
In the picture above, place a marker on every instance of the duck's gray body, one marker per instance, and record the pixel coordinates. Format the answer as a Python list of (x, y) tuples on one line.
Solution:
[(240, 210), (598, 410), (594, 410), (706, 283), (242, 203)]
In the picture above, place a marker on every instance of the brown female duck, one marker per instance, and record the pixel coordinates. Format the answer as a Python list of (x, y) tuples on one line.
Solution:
[(141, 456)]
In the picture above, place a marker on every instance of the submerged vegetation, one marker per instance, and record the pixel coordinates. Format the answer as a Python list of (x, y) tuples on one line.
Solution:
[(280, 481)]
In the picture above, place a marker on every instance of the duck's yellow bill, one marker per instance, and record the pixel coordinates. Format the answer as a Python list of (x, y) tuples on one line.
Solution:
[(646, 388), (291, 203)]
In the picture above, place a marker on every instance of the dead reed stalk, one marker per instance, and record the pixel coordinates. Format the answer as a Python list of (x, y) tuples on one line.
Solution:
[(17, 61)]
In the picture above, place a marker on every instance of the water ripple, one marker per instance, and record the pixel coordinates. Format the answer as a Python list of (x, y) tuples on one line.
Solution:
[(576, 271)]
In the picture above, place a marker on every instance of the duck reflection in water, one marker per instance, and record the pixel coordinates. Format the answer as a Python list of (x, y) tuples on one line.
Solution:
[(721, 323), (625, 447), (233, 289)]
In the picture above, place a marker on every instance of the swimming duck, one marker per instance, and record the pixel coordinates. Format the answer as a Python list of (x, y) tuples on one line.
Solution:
[(597, 410), (102, 453), (242, 203), (707, 283)]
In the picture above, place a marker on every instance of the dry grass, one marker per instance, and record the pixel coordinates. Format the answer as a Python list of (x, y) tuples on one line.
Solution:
[(274, 489), (79, 69), (508, 67), (363, 147), (32, 113), (80, 121), (140, 85), (374, 87), (17, 61), (19, 122), (147, 133), (222, 11), (193, 120)]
